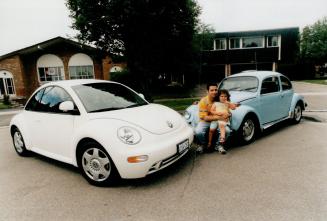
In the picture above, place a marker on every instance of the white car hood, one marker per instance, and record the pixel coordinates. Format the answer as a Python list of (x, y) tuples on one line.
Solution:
[(154, 118), (239, 96)]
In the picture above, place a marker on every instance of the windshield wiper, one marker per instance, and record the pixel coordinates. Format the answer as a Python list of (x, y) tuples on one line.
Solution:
[(234, 89), (135, 105), (106, 109), (250, 88)]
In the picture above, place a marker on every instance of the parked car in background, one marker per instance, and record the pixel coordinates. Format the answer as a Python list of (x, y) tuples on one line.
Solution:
[(266, 98), (104, 128)]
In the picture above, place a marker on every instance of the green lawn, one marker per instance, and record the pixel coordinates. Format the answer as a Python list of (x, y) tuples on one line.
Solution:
[(317, 81), (4, 106), (177, 104)]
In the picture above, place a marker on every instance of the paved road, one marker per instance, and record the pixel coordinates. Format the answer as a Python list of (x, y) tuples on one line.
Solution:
[(282, 176)]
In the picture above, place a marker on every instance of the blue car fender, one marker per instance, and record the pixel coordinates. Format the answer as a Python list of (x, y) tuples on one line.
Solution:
[(240, 113), (296, 98)]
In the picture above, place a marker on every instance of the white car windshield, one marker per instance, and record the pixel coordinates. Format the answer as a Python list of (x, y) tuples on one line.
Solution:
[(97, 97), (244, 83)]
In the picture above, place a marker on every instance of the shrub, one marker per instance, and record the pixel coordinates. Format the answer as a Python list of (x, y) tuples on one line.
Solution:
[(6, 99)]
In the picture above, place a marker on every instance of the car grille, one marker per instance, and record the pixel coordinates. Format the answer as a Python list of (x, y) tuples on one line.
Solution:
[(166, 162)]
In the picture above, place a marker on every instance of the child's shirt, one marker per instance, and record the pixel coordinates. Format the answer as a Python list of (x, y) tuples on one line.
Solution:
[(221, 107)]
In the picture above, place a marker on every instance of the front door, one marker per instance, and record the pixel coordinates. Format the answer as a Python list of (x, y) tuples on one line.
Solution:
[(6, 83)]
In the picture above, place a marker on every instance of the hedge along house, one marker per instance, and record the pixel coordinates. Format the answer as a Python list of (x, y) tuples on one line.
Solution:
[(233, 52), (22, 71)]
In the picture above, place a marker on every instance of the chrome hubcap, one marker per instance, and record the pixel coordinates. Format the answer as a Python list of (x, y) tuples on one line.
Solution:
[(18, 142), (248, 130), (297, 113), (96, 164)]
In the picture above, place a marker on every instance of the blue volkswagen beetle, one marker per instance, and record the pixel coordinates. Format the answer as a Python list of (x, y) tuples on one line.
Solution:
[(266, 98)]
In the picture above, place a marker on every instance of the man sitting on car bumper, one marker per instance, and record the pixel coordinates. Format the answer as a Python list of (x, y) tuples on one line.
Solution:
[(201, 130)]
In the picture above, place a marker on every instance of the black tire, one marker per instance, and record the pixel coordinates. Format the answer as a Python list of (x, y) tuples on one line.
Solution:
[(248, 130), (297, 114), (96, 165), (19, 143)]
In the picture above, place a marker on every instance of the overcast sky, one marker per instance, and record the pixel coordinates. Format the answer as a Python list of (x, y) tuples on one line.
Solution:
[(27, 22)]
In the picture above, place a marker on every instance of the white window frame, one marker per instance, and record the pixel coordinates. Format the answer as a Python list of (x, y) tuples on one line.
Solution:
[(217, 43), (4, 75), (77, 63), (53, 68), (278, 41), (77, 72), (240, 43)]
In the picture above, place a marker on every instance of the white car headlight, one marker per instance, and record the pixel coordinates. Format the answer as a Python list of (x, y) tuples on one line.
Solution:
[(129, 135)]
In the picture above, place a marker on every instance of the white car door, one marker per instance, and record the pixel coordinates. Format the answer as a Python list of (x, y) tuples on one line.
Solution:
[(52, 129)]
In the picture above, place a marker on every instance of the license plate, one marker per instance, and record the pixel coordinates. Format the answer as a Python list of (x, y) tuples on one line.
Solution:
[(181, 147)]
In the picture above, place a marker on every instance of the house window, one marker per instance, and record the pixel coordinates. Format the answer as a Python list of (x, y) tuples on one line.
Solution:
[(220, 44), (50, 74), (252, 42), (81, 72), (235, 43), (272, 41), (50, 68), (81, 67), (6, 83)]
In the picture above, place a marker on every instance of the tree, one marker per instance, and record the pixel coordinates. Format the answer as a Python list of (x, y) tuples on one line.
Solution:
[(155, 36), (314, 42)]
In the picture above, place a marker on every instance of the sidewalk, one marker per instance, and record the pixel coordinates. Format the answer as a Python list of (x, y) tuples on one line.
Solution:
[(10, 111)]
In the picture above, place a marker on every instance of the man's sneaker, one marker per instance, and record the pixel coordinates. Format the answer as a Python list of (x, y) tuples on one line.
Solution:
[(221, 150)]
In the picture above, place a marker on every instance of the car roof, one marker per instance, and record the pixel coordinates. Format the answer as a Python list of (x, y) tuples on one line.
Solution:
[(258, 74), (70, 83)]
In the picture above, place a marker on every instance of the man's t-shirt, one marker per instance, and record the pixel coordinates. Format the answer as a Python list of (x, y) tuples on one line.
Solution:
[(204, 107)]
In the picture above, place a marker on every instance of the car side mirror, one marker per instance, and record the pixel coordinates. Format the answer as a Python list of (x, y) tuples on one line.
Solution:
[(68, 107)]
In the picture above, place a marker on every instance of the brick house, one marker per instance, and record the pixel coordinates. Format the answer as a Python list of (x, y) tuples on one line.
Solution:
[(232, 52), (22, 71)]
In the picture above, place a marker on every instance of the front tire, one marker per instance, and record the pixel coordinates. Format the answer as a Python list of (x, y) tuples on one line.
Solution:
[(248, 130), (96, 165), (297, 115), (19, 143)]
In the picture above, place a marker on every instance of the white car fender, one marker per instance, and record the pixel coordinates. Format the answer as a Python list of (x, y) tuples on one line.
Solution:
[(100, 131), (18, 121)]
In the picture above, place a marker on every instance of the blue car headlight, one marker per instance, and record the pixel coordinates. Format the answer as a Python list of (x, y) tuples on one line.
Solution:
[(187, 115), (129, 135)]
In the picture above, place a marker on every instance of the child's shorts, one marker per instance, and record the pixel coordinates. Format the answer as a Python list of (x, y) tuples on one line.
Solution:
[(214, 124)]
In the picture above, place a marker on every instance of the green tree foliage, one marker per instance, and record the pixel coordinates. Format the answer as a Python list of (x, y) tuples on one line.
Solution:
[(155, 36), (314, 42)]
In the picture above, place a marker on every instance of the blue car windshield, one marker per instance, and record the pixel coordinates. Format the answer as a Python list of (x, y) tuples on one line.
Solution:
[(98, 97), (244, 83)]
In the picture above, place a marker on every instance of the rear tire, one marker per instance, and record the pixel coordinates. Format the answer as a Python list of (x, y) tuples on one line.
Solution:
[(96, 165), (248, 130), (297, 115), (19, 143)]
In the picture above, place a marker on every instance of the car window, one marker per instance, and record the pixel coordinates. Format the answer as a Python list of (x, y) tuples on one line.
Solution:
[(270, 85), (286, 84), (98, 97), (51, 99), (48, 100), (34, 103), (244, 83)]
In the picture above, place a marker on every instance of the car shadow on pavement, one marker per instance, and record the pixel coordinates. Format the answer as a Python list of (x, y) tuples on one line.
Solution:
[(160, 177), (277, 128)]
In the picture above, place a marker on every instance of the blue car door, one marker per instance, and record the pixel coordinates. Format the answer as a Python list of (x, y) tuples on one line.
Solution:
[(270, 100), (286, 96)]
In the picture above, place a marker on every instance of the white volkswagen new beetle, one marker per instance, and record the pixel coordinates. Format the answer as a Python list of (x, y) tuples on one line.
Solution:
[(104, 128)]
